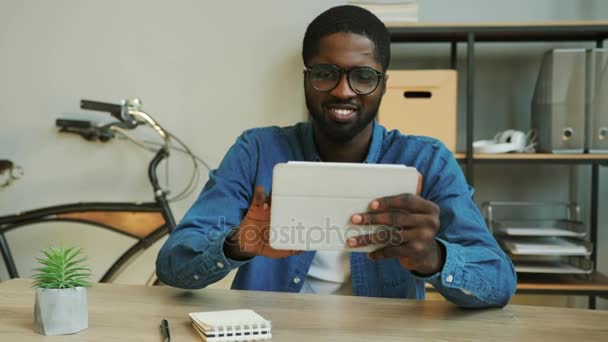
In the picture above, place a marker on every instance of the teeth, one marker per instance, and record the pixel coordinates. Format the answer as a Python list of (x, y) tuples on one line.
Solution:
[(342, 111)]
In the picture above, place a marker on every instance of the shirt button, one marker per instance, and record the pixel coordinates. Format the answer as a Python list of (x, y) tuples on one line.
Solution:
[(196, 277), (449, 279), (296, 280), (220, 264)]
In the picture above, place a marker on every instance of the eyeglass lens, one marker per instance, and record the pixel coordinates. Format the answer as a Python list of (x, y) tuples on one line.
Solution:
[(362, 80)]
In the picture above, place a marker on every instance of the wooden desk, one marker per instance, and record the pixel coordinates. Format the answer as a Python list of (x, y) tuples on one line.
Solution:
[(133, 313)]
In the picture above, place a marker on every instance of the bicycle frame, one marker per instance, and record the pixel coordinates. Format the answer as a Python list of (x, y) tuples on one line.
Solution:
[(117, 217), (146, 222)]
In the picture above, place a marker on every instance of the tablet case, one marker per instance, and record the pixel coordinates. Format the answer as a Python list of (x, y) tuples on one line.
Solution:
[(312, 202)]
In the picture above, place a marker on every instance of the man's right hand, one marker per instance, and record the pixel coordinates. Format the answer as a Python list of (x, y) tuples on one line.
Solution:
[(251, 238)]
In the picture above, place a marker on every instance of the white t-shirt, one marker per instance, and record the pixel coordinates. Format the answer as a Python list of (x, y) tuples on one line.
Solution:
[(329, 273)]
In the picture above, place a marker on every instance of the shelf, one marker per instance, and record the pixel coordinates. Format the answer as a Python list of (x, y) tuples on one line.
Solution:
[(536, 158), (500, 32), (594, 284)]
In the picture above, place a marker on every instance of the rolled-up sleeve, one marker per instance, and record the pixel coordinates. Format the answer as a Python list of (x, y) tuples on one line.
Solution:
[(476, 273), (193, 255)]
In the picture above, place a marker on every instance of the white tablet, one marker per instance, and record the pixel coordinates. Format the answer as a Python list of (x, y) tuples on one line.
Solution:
[(312, 202)]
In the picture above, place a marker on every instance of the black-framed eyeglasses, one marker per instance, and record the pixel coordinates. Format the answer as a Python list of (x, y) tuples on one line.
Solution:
[(326, 77)]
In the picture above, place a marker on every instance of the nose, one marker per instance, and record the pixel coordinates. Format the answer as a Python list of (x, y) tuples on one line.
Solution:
[(343, 89)]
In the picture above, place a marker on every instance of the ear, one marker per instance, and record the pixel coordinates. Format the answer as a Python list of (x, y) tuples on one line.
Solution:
[(384, 83)]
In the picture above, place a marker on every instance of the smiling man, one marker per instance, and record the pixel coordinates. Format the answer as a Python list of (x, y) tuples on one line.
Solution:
[(439, 236)]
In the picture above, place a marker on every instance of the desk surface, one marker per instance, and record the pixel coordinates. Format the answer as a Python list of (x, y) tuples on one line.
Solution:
[(133, 313)]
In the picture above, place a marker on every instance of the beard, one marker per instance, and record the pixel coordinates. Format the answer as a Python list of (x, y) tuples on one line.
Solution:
[(339, 132)]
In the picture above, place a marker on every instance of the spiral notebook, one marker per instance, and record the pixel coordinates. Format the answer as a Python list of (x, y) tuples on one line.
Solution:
[(231, 325)]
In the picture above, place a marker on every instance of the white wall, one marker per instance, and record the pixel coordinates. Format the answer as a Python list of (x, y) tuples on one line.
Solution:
[(500, 10), (595, 9), (207, 71)]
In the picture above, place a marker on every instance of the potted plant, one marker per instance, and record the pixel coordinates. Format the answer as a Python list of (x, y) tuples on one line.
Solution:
[(61, 295)]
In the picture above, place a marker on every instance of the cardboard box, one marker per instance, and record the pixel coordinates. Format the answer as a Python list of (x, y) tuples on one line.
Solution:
[(421, 102)]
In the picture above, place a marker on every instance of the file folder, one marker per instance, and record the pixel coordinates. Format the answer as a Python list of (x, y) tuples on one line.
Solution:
[(558, 104), (597, 101)]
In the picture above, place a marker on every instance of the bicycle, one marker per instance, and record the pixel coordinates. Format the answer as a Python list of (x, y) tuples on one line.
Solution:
[(146, 222)]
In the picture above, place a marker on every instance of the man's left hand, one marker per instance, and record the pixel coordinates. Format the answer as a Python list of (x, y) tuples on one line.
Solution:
[(415, 222)]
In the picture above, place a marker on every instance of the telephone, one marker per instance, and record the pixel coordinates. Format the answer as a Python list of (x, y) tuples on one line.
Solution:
[(508, 141)]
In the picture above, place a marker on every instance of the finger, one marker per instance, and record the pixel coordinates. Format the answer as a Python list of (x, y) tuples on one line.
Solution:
[(258, 215), (412, 250), (259, 208), (409, 256), (389, 252), (392, 218), (410, 202), (270, 252), (249, 236), (259, 196), (419, 187), (383, 237)]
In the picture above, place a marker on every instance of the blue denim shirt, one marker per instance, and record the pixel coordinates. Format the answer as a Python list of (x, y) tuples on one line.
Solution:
[(476, 272)]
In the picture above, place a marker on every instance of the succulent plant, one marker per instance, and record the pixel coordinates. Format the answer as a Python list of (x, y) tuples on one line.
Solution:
[(63, 268)]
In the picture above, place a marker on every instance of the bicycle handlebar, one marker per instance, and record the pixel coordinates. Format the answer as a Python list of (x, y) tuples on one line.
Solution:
[(101, 106), (114, 109), (129, 115)]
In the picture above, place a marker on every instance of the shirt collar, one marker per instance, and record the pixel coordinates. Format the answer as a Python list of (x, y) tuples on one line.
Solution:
[(373, 154)]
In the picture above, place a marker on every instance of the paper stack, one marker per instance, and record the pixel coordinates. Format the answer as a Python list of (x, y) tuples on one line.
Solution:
[(390, 11)]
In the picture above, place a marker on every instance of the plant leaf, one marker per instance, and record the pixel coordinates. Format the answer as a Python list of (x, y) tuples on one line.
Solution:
[(62, 268)]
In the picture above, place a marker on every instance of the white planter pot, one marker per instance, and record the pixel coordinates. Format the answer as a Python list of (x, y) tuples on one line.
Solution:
[(61, 311)]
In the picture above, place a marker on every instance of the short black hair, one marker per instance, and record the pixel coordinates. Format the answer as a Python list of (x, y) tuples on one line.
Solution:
[(348, 19)]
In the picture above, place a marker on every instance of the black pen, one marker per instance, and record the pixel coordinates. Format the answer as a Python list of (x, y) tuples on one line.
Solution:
[(164, 329)]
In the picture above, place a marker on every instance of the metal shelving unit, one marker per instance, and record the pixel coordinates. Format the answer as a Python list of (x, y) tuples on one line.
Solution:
[(541, 158), (471, 34)]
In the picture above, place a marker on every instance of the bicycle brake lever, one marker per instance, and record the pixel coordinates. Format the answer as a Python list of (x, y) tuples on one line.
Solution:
[(90, 133), (86, 133)]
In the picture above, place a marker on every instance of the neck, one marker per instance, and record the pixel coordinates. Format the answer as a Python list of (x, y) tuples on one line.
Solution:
[(351, 151)]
